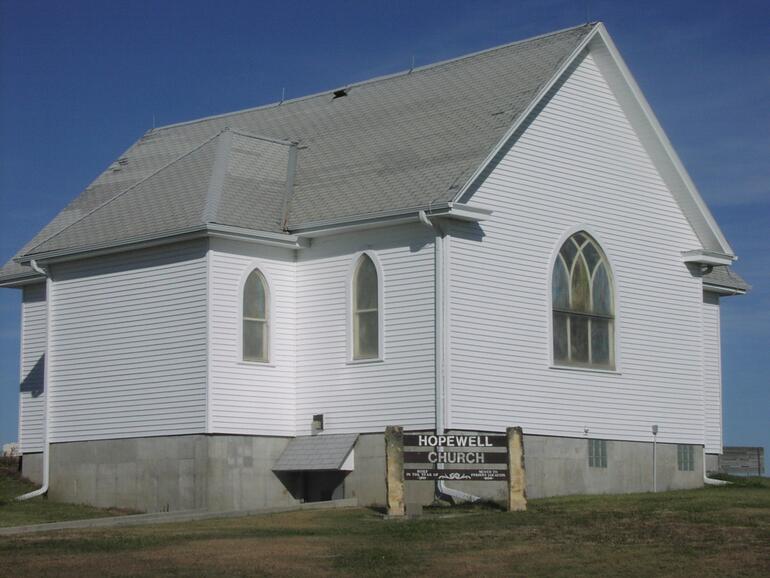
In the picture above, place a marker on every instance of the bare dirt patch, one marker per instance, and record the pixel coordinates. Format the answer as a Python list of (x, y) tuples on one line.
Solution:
[(297, 556)]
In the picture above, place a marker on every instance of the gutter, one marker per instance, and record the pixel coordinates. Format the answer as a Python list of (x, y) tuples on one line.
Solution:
[(177, 236), (707, 257), (46, 388), (449, 210), (297, 238), (20, 279), (441, 244), (722, 290)]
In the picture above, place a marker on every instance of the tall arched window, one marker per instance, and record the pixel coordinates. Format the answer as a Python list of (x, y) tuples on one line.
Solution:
[(366, 312), (256, 317), (583, 305)]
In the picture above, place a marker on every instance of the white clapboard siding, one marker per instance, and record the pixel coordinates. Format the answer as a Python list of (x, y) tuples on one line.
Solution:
[(128, 345), (251, 398), (366, 397), (712, 373), (32, 388), (578, 164)]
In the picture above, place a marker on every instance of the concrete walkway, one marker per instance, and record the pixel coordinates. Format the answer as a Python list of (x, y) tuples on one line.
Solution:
[(170, 517)]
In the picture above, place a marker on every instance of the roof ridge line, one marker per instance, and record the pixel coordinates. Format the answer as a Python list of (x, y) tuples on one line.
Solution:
[(218, 173), (121, 193), (407, 72)]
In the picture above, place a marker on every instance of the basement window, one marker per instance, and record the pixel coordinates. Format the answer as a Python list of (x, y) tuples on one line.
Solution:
[(597, 453), (685, 458)]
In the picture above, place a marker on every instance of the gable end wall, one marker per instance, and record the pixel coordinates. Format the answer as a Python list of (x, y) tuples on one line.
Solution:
[(578, 164)]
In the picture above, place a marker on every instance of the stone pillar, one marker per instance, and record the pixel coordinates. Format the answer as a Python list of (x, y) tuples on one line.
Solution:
[(517, 479), (394, 469)]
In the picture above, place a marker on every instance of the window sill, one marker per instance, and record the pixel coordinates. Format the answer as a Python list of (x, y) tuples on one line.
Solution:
[(364, 361), (255, 363), (584, 369)]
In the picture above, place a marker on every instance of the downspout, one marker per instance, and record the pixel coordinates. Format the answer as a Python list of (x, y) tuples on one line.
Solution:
[(442, 491), (46, 387)]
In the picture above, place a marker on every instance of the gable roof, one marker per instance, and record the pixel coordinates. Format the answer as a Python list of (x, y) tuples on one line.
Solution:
[(403, 141), (408, 141)]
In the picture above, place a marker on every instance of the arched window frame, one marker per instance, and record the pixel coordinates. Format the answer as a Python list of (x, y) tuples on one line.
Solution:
[(350, 283), (269, 309), (614, 342)]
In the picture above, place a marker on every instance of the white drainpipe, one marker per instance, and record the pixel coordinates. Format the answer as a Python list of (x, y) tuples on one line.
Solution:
[(440, 328), (46, 388)]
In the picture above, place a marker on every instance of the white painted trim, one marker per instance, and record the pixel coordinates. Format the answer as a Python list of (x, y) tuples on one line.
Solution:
[(209, 381), (351, 271), (591, 230), (708, 287), (662, 139), (707, 257), (585, 369), (443, 209), (525, 114), (21, 371), (600, 34), (176, 236), (262, 267), (444, 246)]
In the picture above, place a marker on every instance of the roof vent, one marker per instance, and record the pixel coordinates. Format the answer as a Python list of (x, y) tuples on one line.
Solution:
[(340, 93)]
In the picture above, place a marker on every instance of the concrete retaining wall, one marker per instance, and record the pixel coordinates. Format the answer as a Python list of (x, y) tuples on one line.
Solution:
[(554, 467), (223, 472), (32, 467), (162, 474)]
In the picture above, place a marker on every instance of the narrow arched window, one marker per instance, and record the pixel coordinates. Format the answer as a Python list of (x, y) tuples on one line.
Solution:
[(366, 310), (256, 317), (583, 305)]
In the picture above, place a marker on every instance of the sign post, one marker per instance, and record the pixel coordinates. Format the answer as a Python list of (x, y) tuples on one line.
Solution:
[(394, 469), (517, 480)]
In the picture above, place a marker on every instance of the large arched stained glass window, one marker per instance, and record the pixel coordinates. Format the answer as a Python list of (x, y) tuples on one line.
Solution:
[(256, 318), (366, 312), (583, 305)]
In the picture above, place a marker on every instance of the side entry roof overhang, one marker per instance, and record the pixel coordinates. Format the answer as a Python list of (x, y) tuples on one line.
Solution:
[(316, 453)]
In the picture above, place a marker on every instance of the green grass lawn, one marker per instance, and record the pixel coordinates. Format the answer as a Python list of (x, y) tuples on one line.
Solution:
[(722, 531), (37, 510)]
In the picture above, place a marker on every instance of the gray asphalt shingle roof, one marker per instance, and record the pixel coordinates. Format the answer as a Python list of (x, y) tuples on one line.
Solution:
[(321, 452), (724, 276), (393, 143)]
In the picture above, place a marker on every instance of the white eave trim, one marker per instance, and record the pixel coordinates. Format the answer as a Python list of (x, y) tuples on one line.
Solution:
[(263, 238), (527, 112), (666, 145), (720, 290), (445, 210), (22, 279), (707, 257), (712, 234), (178, 236)]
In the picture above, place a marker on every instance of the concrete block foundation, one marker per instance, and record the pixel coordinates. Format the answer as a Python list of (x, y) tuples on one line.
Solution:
[(223, 472)]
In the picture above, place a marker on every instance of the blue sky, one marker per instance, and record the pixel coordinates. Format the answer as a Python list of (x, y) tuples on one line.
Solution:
[(80, 81)]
